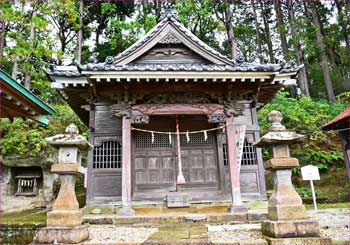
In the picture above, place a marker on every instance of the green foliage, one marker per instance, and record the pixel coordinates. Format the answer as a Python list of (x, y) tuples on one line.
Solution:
[(305, 192), (28, 137), (306, 116), (323, 159)]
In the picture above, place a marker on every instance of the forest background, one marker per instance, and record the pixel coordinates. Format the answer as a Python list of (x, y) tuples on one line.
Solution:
[(314, 34)]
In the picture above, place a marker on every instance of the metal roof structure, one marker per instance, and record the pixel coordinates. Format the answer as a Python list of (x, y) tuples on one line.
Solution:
[(17, 101)]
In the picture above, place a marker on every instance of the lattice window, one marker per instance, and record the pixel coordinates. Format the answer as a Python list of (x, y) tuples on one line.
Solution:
[(107, 155), (144, 140), (249, 154)]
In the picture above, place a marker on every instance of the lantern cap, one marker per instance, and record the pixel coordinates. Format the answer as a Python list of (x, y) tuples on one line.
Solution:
[(278, 134)]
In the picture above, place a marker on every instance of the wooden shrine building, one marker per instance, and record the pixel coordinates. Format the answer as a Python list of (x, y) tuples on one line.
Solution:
[(131, 103)]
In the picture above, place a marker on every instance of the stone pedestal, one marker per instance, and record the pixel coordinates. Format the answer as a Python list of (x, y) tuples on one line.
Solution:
[(286, 212), (64, 222)]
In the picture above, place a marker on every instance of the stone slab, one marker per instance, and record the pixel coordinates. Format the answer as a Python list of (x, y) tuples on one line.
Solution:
[(64, 218), (287, 212), (66, 235), (178, 199), (281, 163), (299, 241), (286, 229), (65, 168)]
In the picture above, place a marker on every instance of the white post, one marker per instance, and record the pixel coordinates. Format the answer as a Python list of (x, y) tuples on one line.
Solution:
[(313, 194)]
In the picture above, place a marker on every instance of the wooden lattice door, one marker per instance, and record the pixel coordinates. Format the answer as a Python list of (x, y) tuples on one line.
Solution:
[(155, 164)]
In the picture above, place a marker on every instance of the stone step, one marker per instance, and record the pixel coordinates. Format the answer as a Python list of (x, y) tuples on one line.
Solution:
[(151, 219)]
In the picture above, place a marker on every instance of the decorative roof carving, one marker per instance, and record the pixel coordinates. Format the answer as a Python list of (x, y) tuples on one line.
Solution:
[(170, 38), (168, 11)]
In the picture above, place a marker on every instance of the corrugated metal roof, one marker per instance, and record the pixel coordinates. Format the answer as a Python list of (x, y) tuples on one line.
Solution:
[(345, 115)]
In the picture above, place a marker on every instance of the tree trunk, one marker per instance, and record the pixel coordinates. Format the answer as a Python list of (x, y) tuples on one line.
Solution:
[(229, 30), (27, 82), (267, 30), (345, 31), (15, 69), (329, 49), (258, 38), (2, 40), (304, 85), (80, 32), (323, 56), (281, 28)]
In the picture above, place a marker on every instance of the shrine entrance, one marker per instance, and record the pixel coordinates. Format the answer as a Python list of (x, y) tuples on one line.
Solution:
[(155, 162)]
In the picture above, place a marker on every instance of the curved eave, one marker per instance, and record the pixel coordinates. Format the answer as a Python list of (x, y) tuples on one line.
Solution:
[(17, 101)]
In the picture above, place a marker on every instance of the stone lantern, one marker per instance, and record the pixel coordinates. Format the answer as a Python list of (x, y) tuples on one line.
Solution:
[(64, 222), (286, 212)]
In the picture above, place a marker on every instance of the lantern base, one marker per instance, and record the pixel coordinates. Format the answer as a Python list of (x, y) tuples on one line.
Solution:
[(293, 228), (65, 235)]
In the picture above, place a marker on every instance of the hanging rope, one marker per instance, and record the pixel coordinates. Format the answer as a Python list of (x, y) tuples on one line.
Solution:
[(306, 132), (183, 132)]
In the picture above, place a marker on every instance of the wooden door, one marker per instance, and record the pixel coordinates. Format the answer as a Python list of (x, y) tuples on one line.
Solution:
[(155, 167), (199, 159)]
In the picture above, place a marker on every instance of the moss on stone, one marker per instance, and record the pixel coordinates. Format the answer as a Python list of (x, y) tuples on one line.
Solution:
[(99, 209), (32, 216)]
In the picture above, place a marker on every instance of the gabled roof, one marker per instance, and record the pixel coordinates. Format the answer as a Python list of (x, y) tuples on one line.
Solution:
[(17, 101), (170, 30)]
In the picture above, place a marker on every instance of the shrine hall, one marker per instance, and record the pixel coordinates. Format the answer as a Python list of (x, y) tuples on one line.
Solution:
[(171, 114)]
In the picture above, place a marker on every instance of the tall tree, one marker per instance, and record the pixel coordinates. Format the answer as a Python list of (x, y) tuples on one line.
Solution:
[(323, 57), (80, 33), (304, 85), (224, 12), (2, 39), (257, 29), (281, 28), (344, 22), (265, 10)]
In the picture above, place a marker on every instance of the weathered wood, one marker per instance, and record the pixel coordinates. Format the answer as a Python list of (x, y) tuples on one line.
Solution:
[(126, 169), (182, 109), (237, 204)]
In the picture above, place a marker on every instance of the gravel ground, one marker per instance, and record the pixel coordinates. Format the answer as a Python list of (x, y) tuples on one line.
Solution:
[(104, 234), (243, 234), (331, 217), (334, 224), (336, 233)]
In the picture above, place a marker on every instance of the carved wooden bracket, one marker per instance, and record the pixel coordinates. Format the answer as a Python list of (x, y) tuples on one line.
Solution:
[(233, 108), (121, 109), (139, 119), (180, 109), (217, 118)]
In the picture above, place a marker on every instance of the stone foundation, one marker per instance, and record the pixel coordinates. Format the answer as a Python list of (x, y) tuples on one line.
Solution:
[(295, 228), (178, 199), (65, 235), (299, 241)]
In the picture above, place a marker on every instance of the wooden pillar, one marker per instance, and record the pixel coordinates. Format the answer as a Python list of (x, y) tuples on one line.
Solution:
[(237, 204), (346, 144), (126, 210)]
